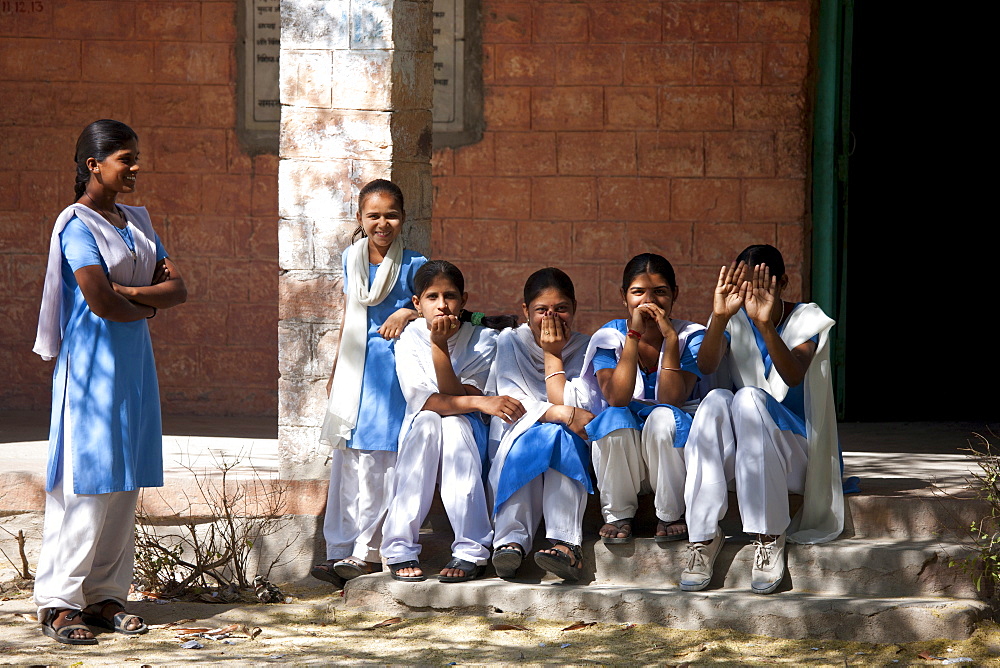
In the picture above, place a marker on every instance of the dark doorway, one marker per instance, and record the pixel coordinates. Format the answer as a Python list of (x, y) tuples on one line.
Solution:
[(921, 277)]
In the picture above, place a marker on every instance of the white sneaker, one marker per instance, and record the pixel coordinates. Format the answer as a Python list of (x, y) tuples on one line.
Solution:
[(700, 560), (768, 565)]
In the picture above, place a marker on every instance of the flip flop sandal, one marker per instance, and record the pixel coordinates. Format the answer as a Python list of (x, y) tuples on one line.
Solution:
[(618, 524), (64, 633), (670, 537), (506, 559), (119, 621), (563, 565), (325, 572), (470, 571), (351, 568), (395, 568)]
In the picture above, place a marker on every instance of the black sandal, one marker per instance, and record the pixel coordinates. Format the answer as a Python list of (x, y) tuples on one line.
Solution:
[(470, 571), (93, 615), (507, 559), (351, 568), (619, 524), (395, 568), (325, 572), (64, 633), (670, 537), (567, 566)]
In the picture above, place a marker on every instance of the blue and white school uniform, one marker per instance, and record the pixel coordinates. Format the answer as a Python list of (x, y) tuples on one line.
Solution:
[(770, 438), (362, 465), (538, 470), (640, 448), (450, 450), (105, 436)]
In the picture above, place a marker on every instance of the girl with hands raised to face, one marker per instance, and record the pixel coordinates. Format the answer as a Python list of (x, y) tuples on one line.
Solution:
[(366, 406), (539, 462), (646, 369), (778, 425), (443, 365)]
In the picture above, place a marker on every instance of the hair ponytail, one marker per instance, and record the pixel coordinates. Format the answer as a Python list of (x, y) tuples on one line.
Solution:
[(497, 322)]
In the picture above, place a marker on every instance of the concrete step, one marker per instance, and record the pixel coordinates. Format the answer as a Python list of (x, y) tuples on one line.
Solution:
[(795, 614)]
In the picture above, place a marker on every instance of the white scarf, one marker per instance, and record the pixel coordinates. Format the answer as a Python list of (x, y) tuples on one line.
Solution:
[(821, 517), (610, 338), (122, 268), (519, 372), (345, 396), (471, 349)]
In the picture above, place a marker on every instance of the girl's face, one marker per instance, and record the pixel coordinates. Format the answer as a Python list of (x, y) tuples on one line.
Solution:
[(549, 301), (382, 220), (441, 298), (117, 172), (650, 288)]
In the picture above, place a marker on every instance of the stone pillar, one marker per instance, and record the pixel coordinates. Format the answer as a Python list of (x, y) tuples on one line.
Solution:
[(356, 95)]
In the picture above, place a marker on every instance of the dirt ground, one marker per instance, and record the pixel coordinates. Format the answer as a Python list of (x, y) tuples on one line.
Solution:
[(316, 628)]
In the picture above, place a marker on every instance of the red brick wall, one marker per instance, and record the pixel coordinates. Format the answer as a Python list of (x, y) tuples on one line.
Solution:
[(614, 128), (168, 69)]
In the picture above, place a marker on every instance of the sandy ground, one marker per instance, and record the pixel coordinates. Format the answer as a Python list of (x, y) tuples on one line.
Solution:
[(316, 628)]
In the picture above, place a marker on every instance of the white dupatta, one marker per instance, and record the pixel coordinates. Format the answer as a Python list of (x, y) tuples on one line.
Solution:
[(519, 372), (821, 517), (122, 267), (345, 395), (471, 349)]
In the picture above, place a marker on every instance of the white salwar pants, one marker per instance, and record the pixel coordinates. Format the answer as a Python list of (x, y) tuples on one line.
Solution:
[(360, 487), (628, 463), (733, 437), (438, 449), (559, 499), (88, 543)]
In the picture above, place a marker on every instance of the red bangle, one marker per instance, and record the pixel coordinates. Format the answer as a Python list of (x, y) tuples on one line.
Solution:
[(634, 334)]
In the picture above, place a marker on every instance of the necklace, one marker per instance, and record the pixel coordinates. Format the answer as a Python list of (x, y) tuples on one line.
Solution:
[(781, 313)]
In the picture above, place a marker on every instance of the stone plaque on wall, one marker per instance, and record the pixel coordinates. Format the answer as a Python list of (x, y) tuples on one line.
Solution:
[(457, 110)]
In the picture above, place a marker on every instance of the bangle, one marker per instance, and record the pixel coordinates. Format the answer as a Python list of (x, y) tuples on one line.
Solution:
[(670, 368), (572, 416), (634, 334), (555, 373), (154, 313)]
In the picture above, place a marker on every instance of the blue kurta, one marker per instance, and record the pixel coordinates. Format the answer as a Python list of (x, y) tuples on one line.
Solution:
[(106, 377), (382, 406)]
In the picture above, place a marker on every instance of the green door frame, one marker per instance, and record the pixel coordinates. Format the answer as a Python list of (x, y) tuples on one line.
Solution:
[(831, 147)]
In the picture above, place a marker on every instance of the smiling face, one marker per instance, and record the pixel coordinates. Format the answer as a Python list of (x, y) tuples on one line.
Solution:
[(381, 218), (441, 297), (117, 172), (649, 288), (549, 301)]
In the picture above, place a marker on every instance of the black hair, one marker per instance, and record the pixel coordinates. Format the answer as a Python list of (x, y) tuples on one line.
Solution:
[(99, 140), (431, 270), (549, 277), (648, 263), (381, 187), (763, 254)]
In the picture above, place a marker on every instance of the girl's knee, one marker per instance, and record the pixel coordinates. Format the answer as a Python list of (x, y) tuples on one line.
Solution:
[(749, 402), (662, 423)]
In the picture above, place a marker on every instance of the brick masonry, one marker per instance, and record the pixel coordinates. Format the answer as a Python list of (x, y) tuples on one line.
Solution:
[(167, 69), (612, 129)]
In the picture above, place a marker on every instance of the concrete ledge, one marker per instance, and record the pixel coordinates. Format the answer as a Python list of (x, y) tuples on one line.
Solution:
[(784, 615)]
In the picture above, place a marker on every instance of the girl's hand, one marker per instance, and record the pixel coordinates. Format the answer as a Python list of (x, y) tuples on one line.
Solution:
[(124, 290), (759, 294), (555, 334), (576, 420), (395, 323), (506, 408), (662, 319), (161, 273), (639, 319), (729, 297), (442, 327)]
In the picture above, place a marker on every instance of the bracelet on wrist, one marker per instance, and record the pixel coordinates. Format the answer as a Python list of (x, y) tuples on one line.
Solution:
[(633, 334), (154, 313), (572, 416), (670, 368), (555, 373)]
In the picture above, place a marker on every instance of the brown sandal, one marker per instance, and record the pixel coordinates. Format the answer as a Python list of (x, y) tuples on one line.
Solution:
[(64, 632), (620, 526), (96, 615)]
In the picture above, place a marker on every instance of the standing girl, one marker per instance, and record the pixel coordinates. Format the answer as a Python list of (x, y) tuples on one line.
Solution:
[(107, 274), (443, 365), (646, 367), (366, 406), (777, 434), (539, 464)]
